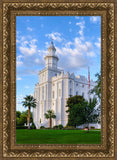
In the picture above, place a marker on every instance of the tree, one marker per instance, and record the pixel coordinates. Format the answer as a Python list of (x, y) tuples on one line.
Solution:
[(81, 111), (76, 105), (90, 112), (29, 102), (22, 118), (97, 88), (49, 115), (18, 114)]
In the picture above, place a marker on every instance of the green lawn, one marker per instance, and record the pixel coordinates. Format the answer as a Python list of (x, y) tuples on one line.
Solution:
[(24, 136)]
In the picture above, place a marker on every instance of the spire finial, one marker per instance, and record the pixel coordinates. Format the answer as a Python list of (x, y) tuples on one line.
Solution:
[(52, 41)]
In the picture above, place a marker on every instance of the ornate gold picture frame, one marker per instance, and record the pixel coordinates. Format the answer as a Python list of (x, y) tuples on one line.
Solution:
[(9, 10)]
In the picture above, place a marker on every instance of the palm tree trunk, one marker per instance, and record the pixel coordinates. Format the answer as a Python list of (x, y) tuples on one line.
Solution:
[(29, 118), (50, 122)]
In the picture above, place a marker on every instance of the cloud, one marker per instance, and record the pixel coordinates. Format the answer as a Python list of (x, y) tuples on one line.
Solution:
[(55, 36), (19, 98), (75, 55), (82, 26), (72, 54), (27, 87), (69, 22), (29, 29), (98, 44), (77, 17), (29, 56), (19, 78), (95, 19), (19, 62), (28, 47)]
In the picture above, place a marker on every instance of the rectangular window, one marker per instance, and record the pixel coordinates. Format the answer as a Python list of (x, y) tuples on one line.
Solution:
[(83, 94), (77, 93)]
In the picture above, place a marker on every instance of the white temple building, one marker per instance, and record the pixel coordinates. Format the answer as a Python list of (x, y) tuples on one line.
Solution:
[(53, 90)]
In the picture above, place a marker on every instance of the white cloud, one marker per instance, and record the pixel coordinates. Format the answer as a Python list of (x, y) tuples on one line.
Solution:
[(55, 36), (82, 26), (27, 87), (19, 98), (30, 57), (19, 78), (28, 47), (98, 44), (69, 22), (37, 60), (77, 17), (81, 32), (19, 62), (75, 55), (68, 44), (95, 19), (29, 29)]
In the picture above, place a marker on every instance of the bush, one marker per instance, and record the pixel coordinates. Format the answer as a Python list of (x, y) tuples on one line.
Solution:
[(69, 127), (60, 126), (56, 127), (33, 126), (42, 127), (92, 127), (21, 127)]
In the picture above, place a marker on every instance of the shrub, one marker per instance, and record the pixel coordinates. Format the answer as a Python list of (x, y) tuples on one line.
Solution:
[(42, 127), (33, 126), (60, 126), (21, 127), (69, 127), (92, 127), (56, 127)]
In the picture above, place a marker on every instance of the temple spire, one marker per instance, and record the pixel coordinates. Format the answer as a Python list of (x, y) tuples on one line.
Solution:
[(51, 58)]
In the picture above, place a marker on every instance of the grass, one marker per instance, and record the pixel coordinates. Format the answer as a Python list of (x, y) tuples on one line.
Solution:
[(24, 136)]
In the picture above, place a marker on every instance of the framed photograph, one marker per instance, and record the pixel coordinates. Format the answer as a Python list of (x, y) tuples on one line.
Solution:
[(58, 80)]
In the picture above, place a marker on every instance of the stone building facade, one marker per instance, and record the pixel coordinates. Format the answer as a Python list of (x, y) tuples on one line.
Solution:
[(54, 88)]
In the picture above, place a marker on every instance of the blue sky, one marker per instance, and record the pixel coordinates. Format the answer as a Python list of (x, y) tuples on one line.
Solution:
[(78, 45)]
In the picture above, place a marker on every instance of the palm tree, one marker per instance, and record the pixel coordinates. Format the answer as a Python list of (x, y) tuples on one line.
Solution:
[(29, 102), (49, 115), (91, 115)]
